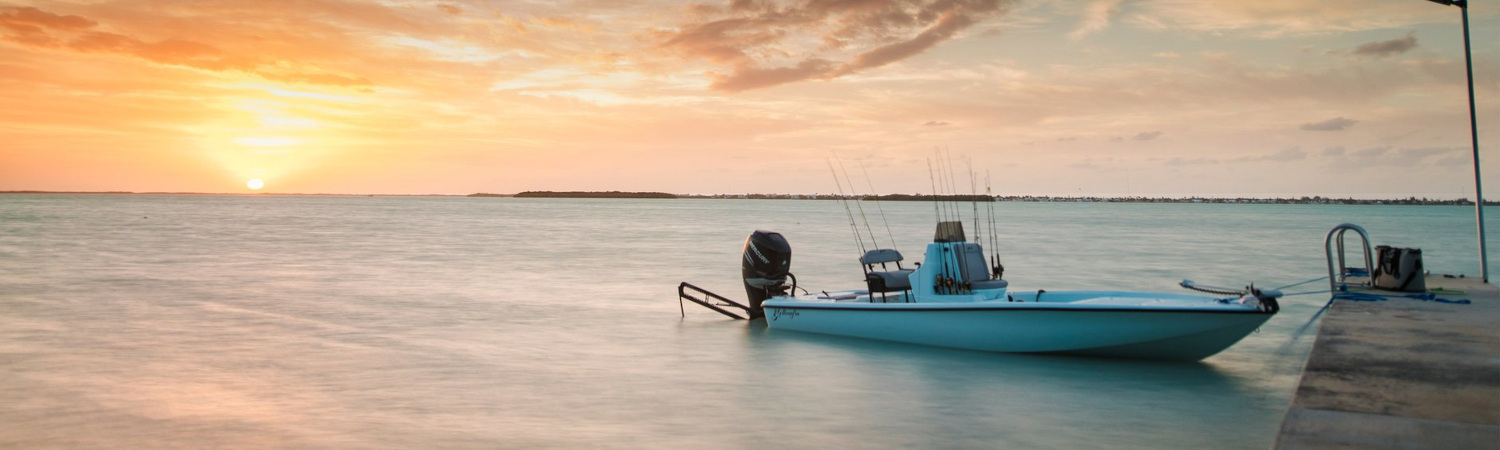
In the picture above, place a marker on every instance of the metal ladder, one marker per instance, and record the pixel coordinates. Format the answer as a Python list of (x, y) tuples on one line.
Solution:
[(682, 294), (1342, 273)]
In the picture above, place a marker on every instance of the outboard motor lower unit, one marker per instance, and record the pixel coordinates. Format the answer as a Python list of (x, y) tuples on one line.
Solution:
[(766, 266)]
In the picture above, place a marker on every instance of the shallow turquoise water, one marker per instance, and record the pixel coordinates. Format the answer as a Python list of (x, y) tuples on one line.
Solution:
[(321, 322)]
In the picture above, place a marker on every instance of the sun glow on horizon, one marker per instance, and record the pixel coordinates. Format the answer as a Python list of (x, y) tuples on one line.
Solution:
[(275, 141), (255, 184)]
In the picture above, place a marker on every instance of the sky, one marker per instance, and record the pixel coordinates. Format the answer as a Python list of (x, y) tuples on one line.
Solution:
[(1269, 98)]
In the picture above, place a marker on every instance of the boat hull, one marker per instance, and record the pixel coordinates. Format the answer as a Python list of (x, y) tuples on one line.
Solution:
[(1153, 333)]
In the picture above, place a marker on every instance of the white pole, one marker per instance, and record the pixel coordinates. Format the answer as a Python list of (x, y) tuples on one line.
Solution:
[(1484, 263)]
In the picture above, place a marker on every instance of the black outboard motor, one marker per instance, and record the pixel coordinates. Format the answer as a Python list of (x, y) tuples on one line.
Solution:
[(766, 265)]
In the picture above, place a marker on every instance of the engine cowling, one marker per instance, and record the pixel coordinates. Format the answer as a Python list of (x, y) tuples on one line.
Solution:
[(765, 265)]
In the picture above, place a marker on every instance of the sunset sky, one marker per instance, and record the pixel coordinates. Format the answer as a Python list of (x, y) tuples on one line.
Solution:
[(1362, 98)]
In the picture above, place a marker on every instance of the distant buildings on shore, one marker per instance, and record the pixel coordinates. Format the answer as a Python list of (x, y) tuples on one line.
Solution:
[(1315, 200), (580, 194)]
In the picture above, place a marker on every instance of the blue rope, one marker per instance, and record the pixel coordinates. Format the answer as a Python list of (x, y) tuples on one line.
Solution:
[(1426, 297), (1344, 294)]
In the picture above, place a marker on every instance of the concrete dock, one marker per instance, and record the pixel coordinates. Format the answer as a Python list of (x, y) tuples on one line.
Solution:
[(1402, 373)]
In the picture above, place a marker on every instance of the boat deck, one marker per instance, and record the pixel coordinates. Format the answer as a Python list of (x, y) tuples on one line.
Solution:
[(1402, 373)]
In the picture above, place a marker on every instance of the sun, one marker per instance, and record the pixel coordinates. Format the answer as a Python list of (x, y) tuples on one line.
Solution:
[(255, 184)]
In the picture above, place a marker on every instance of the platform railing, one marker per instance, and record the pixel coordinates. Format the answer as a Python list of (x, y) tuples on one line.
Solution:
[(1342, 273), (706, 300)]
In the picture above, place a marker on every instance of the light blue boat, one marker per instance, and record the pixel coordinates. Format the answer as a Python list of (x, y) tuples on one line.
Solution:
[(954, 299)]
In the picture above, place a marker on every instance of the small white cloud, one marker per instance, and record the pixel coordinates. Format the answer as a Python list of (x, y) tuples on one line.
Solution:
[(1096, 17)]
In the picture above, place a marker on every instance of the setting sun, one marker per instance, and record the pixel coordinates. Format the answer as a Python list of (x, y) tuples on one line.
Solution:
[(255, 184)]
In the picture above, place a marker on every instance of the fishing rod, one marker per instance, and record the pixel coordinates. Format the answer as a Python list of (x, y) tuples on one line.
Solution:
[(857, 203), (859, 240), (961, 256), (939, 194), (937, 215), (888, 232), (997, 270), (989, 205), (951, 200), (958, 215), (943, 283), (974, 200)]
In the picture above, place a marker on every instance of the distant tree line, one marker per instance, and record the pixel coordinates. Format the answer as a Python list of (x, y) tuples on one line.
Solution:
[(1314, 200), (1305, 200), (593, 194)]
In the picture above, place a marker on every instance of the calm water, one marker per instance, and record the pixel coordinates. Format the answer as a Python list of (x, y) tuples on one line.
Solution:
[(321, 322)]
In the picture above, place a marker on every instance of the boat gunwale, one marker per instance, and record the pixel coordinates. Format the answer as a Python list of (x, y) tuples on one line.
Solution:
[(991, 306)]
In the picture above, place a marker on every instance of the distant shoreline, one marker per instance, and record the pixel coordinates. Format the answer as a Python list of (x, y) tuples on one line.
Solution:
[(586, 194), (1314, 200), (237, 194)]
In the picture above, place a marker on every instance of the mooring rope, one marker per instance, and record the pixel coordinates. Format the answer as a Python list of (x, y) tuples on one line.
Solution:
[(1302, 283), (1325, 291)]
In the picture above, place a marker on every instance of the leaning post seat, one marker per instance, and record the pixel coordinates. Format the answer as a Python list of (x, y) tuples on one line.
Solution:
[(974, 270), (885, 280)]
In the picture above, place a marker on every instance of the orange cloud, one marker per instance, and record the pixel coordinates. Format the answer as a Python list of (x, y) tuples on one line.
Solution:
[(949, 23), (26, 25), (757, 32), (746, 78), (450, 8), (36, 28)]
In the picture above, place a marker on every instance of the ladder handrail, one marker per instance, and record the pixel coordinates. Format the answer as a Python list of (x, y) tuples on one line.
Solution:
[(682, 294), (1341, 274)]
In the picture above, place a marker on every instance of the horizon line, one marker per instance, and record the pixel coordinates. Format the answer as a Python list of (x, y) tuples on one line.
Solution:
[(813, 196)]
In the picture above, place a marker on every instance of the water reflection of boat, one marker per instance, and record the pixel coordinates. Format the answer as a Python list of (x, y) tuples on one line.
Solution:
[(954, 299), (898, 395)]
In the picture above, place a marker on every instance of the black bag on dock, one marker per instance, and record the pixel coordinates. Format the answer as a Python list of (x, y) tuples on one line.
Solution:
[(1399, 269)]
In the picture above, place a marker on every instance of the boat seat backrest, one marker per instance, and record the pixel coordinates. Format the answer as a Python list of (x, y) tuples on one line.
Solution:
[(885, 281), (971, 263), (880, 256)]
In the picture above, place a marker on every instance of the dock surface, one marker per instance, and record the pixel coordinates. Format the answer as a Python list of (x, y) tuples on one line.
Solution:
[(1402, 373)]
